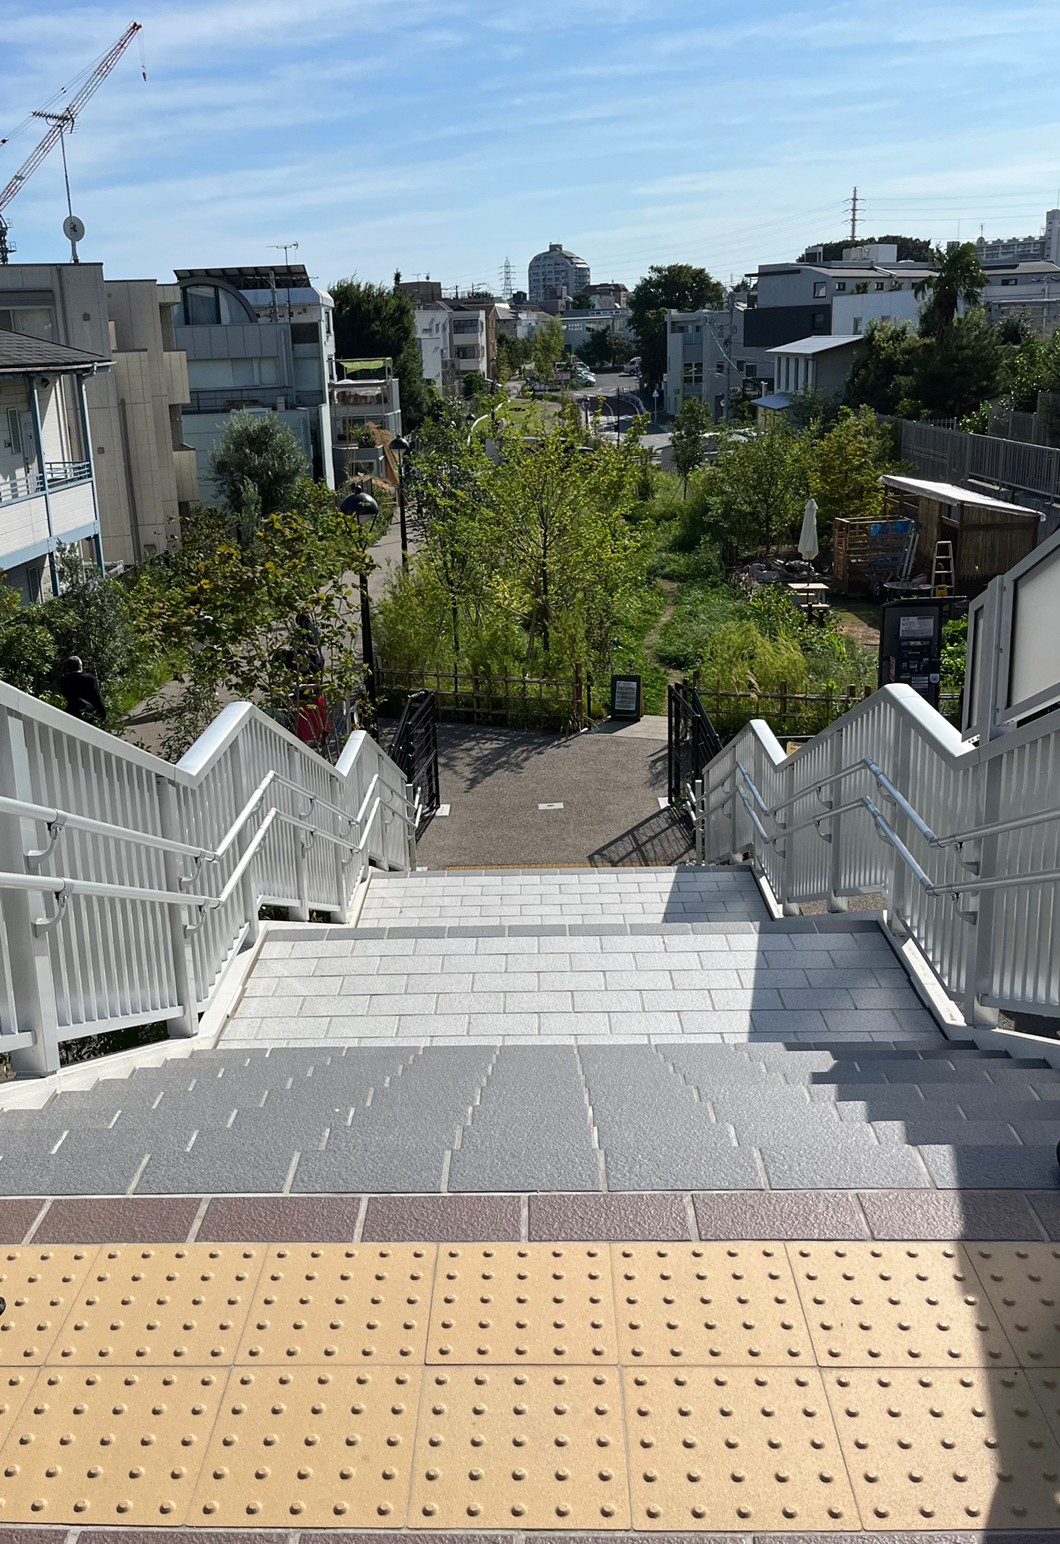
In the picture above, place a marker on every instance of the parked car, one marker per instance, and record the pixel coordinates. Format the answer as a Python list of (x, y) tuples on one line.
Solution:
[(632, 368), (584, 378)]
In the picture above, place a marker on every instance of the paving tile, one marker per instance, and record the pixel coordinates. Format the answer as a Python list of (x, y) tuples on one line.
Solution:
[(280, 1219), (781, 1215), (964, 1214), (714, 1168), (128, 1220), (991, 1168), (1020, 1281), (111, 1164), (409, 1161), (599, 1217), (442, 1219), (835, 1166), (1046, 1206), (16, 1219), (217, 1163)]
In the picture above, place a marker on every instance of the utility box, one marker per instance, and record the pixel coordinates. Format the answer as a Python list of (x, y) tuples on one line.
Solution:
[(911, 644)]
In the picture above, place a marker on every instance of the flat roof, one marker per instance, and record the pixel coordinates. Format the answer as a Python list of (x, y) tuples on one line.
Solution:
[(818, 345), (950, 493), (19, 354), (774, 400)]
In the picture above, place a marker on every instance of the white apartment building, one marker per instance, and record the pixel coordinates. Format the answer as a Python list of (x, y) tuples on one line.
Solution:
[(144, 470), (708, 356), (556, 270), (47, 485), (469, 346), (366, 400), (433, 337)]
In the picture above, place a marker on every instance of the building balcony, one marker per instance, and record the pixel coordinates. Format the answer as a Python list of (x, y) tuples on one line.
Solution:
[(25, 529), (60, 474), (231, 399)]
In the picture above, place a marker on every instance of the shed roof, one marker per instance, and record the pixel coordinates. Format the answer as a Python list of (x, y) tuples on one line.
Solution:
[(951, 493), (818, 345), (19, 354)]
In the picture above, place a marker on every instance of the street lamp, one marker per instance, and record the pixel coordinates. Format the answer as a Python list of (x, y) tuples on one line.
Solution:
[(399, 447), (361, 507)]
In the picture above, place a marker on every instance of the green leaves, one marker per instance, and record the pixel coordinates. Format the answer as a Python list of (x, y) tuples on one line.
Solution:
[(256, 464)]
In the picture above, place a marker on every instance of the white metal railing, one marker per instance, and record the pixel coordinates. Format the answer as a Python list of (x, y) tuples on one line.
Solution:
[(963, 840), (24, 486), (128, 884)]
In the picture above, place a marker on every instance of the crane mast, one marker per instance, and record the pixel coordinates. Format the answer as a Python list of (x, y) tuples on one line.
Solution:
[(58, 124)]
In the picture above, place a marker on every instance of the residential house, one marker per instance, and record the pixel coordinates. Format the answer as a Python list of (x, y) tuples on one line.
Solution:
[(144, 471), (708, 356), (791, 301), (433, 334), (366, 400), (607, 297), (556, 270), (579, 326), (821, 365), (259, 339), (47, 487), (473, 329)]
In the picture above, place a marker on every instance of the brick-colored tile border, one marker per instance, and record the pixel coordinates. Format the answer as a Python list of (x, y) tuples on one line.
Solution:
[(715, 1216), (62, 1535)]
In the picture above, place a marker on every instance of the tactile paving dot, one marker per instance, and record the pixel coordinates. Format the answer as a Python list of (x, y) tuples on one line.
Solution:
[(15, 1384), (509, 1303), (1022, 1282), (161, 1304), (109, 1444), (896, 1305), (946, 1448), (39, 1286), (699, 1304), (1046, 1386), (341, 1304), (736, 1448), (310, 1447), (529, 1447)]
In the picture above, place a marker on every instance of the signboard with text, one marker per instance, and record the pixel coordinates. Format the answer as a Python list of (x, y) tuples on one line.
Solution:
[(626, 696)]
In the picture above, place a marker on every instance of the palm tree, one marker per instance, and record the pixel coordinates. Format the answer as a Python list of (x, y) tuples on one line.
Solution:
[(959, 282)]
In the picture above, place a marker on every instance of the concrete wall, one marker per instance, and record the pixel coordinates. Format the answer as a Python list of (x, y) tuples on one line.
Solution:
[(853, 313)]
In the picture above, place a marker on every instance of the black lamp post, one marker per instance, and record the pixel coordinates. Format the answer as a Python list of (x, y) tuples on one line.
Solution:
[(399, 447), (361, 507)]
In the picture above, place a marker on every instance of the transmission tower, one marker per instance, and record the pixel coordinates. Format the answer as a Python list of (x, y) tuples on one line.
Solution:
[(506, 280)]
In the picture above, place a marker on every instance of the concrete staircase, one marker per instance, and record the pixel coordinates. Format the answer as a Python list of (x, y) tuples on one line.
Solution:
[(563, 1030)]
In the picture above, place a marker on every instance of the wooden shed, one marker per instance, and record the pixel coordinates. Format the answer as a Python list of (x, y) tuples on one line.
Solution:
[(988, 535)]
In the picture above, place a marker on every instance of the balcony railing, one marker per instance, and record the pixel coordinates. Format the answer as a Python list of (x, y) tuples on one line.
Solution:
[(227, 399), (31, 484)]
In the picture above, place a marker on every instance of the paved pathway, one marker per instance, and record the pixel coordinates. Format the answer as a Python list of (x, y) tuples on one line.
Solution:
[(602, 788)]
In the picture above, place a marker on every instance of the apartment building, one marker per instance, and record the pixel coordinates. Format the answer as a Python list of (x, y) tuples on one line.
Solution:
[(48, 492), (797, 300), (708, 356), (556, 271), (144, 470), (367, 399), (259, 339)]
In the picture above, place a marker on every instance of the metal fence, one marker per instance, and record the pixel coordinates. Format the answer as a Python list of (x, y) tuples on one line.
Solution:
[(951, 455), (963, 840), (524, 702), (128, 885)]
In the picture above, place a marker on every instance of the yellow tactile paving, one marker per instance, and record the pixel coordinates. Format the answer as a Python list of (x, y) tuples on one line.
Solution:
[(510, 1303), (897, 1305), (946, 1448), (108, 1445), (1022, 1282), (38, 1287), (704, 1304), (311, 1447), (347, 1305), (161, 1305), (748, 1387), (734, 1448), (533, 1447)]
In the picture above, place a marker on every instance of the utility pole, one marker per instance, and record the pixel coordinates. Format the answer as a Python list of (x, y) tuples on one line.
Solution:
[(854, 216)]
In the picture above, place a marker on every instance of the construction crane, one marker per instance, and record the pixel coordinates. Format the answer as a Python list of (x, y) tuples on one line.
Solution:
[(58, 124)]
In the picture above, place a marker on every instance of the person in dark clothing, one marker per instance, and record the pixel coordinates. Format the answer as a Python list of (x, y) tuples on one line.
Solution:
[(83, 696)]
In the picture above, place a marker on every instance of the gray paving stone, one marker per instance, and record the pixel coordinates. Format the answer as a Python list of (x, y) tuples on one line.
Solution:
[(844, 1166), (219, 1162), (405, 1159), (667, 1167), (88, 1159), (957, 1133), (992, 1168)]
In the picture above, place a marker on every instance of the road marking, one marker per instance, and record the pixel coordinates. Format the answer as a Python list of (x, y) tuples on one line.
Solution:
[(550, 806)]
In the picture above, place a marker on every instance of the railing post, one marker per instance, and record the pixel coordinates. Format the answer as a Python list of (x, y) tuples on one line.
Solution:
[(187, 1023), (900, 880), (410, 799), (29, 953), (247, 895), (979, 955), (699, 816), (836, 794), (300, 911)]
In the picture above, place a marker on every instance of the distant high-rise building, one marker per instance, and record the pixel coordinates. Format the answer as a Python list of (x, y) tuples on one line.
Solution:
[(1022, 249), (556, 270)]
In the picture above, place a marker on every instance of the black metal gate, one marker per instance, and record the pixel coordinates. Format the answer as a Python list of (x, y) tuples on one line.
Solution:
[(414, 746), (692, 741)]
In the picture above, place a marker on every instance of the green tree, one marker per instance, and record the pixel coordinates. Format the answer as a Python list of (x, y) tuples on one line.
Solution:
[(844, 468), (953, 377), (513, 354), (959, 282), (256, 465), (687, 434), (882, 379), (1032, 367), (669, 287), (548, 346), (231, 609), (372, 320), (759, 488), (911, 249)]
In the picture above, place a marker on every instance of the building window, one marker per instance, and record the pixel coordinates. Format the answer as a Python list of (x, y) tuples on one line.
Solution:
[(29, 321), (1008, 281), (465, 324), (304, 332), (748, 369), (817, 321), (692, 374), (879, 284), (840, 286), (820, 289), (467, 353), (207, 306)]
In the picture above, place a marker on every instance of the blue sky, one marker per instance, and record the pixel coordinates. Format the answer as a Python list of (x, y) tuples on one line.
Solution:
[(442, 136)]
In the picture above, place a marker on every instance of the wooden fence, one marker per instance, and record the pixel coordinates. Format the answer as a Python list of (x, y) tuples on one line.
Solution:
[(571, 703)]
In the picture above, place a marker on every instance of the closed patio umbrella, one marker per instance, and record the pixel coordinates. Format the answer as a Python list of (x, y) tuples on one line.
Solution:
[(808, 546)]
